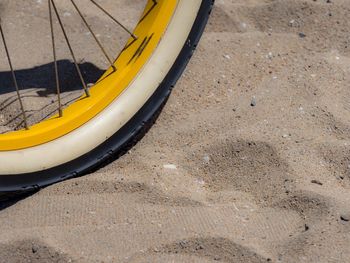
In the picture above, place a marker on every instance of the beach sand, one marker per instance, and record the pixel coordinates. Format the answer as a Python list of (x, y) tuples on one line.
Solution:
[(248, 162)]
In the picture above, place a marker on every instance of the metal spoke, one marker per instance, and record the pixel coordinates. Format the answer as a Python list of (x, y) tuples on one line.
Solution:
[(150, 10), (70, 49), (114, 19), (94, 36), (58, 89), (57, 23), (14, 77)]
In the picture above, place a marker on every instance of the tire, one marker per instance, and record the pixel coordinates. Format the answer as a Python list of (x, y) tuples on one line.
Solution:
[(114, 145)]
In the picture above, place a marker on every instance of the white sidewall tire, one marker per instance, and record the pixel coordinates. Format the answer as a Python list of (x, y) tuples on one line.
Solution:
[(116, 115)]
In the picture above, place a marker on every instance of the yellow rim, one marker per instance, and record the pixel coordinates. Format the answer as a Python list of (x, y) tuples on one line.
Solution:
[(137, 52)]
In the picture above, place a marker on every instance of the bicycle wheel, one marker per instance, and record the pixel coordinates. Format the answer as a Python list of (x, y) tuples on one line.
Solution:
[(114, 110)]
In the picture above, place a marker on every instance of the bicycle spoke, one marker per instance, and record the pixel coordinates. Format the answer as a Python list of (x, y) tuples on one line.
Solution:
[(70, 49), (14, 77), (114, 19), (58, 90), (76, 80), (94, 36)]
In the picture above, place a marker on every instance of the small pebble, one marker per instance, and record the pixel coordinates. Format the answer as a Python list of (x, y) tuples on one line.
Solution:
[(35, 249), (316, 182), (253, 102), (294, 23), (170, 166), (206, 159), (345, 218)]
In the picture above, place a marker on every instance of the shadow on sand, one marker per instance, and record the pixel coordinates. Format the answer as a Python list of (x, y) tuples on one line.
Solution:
[(43, 77)]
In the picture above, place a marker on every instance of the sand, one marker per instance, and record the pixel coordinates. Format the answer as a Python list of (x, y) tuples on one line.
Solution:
[(248, 162)]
